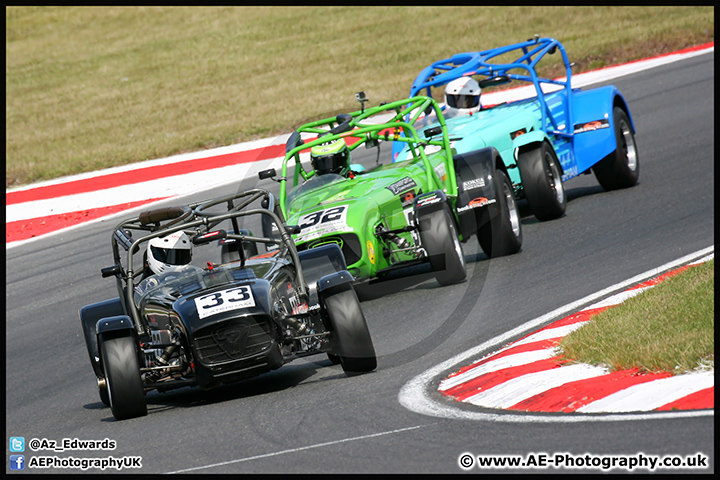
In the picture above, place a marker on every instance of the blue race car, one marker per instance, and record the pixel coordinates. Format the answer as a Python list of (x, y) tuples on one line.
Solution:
[(553, 134)]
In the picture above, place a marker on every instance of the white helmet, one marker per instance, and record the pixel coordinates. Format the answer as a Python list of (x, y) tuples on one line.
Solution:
[(169, 253), (462, 97)]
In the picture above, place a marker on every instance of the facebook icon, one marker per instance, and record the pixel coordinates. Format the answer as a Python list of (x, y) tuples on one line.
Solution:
[(17, 462)]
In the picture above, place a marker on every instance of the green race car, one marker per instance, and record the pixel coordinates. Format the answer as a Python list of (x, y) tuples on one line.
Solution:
[(400, 214)]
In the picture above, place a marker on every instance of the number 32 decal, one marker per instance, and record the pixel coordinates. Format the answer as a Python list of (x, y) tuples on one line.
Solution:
[(323, 216), (224, 300)]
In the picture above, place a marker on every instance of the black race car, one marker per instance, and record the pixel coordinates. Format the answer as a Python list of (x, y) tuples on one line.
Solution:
[(249, 313)]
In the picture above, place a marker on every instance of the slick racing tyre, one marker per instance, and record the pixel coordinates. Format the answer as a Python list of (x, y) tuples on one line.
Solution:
[(439, 238), (122, 377), (351, 337), (542, 182), (621, 168), (502, 235)]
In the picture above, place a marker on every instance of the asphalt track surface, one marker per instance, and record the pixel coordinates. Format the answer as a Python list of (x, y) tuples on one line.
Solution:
[(308, 417)]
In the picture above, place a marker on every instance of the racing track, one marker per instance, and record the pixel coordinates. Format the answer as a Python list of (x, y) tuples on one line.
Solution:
[(308, 417)]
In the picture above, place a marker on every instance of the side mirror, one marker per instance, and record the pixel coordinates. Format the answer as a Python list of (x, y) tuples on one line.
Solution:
[(110, 271), (344, 120), (269, 173), (292, 229), (494, 81), (431, 132)]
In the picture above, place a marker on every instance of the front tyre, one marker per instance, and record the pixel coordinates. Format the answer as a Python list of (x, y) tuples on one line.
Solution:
[(621, 168), (351, 337), (439, 238), (122, 377), (502, 235), (542, 182)]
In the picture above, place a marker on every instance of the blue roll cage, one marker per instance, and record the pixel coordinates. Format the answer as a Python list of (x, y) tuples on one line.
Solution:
[(478, 63)]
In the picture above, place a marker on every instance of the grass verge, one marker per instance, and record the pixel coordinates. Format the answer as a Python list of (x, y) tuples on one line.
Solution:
[(670, 327)]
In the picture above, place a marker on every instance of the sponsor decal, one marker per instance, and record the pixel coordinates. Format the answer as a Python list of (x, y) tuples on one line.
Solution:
[(592, 126), (302, 308), (295, 305), (429, 200), (224, 300), (476, 203), (402, 185), (322, 222), (371, 252), (441, 172), (570, 173), (474, 183), (407, 198)]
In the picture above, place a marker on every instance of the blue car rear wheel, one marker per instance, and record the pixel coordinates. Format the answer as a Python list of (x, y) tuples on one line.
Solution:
[(621, 168)]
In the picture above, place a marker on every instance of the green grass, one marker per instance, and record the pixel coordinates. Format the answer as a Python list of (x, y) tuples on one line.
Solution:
[(670, 327), (95, 87)]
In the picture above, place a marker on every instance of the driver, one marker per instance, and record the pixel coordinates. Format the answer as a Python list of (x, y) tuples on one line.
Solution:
[(168, 254), (331, 157), (462, 97)]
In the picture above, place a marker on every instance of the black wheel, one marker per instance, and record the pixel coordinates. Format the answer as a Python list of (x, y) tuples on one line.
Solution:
[(439, 238), (502, 235), (352, 342), (103, 391), (621, 168), (542, 182), (335, 359), (122, 377)]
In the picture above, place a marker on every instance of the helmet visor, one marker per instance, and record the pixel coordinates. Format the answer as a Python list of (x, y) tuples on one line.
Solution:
[(463, 101), (171, 256)]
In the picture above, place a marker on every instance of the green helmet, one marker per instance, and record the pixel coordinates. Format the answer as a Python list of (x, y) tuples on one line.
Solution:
[(331, 157)]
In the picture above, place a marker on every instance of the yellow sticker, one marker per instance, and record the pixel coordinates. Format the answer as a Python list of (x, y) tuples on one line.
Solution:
[(371, 252)]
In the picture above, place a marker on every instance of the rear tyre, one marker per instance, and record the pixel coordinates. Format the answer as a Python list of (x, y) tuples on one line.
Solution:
[(502, 235), (122, 377), (542, 182), (439, 238), (351, 337), (621, 168)]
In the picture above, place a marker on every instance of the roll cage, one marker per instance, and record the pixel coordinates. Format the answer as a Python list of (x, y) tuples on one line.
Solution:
[(386, 122), (527, 53)]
